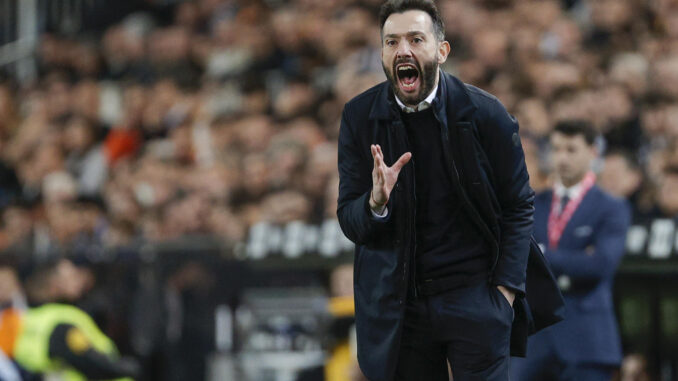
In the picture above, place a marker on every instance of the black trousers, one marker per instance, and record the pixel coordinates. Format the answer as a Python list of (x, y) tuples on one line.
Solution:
[(469, 327)]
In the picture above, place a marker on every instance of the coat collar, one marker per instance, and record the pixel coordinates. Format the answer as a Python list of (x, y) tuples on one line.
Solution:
[(452, 95)]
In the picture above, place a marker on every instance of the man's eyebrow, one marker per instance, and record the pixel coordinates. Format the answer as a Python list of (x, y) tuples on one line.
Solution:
[(409, 34)]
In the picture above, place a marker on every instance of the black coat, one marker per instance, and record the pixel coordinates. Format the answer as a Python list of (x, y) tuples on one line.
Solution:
[(486, 161)]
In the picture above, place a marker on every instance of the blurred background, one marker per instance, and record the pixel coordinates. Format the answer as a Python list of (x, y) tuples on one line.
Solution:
[(182, 156)]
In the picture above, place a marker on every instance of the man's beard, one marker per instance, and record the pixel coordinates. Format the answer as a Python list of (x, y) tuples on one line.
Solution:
[(427, 76)]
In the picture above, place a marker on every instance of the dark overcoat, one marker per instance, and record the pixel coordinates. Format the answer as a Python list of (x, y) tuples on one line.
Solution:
[(485, 160)]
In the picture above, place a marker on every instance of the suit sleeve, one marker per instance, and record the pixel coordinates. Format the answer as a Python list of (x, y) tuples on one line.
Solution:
[(602, 259), (355, 185), (516, 198)]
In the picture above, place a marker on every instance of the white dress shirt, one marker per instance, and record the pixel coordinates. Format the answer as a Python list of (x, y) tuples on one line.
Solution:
[(571, 192), (423, 105)]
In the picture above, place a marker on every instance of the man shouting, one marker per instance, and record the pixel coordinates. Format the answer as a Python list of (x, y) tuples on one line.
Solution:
[(434, 192)]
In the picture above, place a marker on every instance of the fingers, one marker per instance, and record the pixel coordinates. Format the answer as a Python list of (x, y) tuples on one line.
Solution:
[(374, 155), (404, 159), (377, 172), (376, 152), (379, 158), (381, 171), (378, 155)]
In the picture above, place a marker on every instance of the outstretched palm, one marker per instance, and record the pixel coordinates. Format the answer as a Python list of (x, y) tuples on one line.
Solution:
[(383, 176)]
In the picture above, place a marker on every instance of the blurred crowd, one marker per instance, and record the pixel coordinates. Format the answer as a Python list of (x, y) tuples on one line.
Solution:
[(211, 115)]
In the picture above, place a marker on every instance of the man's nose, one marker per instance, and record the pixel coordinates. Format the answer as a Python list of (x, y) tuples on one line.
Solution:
[(404, 50)]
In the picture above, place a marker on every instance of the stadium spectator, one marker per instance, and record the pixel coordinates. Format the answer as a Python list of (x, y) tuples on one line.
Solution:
[(73, 345), (667, 197), (583, 232), (190, 92), (621, 177)]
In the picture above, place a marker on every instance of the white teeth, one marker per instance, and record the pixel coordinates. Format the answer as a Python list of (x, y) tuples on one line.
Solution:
[(406, 67)]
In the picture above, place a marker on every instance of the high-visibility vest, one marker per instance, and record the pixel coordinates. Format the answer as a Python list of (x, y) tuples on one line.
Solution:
[(31, 349), (10, 323), (341, 361)]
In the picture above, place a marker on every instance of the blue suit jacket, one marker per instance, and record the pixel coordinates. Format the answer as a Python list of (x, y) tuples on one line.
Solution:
[(585, 262)]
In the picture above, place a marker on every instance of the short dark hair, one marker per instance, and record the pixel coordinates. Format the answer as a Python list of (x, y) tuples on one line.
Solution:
[(399, 6), (577, 127)]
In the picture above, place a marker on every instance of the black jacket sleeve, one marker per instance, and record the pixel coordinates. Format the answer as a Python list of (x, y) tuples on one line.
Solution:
[(355, 186), (85, 359), (501, 143)]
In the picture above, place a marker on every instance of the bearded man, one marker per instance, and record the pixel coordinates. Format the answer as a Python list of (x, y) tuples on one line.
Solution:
[(434, 192)]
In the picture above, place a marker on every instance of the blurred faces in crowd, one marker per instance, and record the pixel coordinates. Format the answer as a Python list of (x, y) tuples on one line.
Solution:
[(667, 198), (59, 281), (620, 175), (227, 108)]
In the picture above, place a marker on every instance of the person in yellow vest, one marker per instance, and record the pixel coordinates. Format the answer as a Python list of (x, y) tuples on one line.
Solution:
[(341, 364), (61, 340)]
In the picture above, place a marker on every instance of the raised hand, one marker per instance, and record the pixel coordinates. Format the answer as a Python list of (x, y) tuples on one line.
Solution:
[(384, 177)]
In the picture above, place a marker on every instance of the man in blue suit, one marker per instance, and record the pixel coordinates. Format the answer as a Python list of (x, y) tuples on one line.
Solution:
[(582, 230)]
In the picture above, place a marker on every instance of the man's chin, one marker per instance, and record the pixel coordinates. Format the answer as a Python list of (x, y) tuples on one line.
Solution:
[(571, 179), (409, 99)]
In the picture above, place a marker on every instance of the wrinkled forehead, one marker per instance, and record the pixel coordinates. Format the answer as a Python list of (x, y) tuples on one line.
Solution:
[(400, 24)]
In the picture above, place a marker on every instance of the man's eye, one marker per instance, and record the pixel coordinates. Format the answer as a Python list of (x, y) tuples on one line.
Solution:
[(390, 43), (417, 40)]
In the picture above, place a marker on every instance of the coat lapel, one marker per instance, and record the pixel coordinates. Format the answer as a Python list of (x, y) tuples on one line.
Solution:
[(384, 106)]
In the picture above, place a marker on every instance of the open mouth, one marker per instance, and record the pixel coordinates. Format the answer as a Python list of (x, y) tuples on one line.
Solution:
[(408, 77)]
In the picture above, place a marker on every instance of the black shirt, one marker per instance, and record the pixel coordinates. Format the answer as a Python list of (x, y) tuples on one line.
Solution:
[(447, 242)]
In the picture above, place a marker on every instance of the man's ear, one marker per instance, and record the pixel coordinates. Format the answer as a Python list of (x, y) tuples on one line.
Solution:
[(443, 51)]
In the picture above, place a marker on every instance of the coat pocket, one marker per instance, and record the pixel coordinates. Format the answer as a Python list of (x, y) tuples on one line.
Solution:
[(377, 274)]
